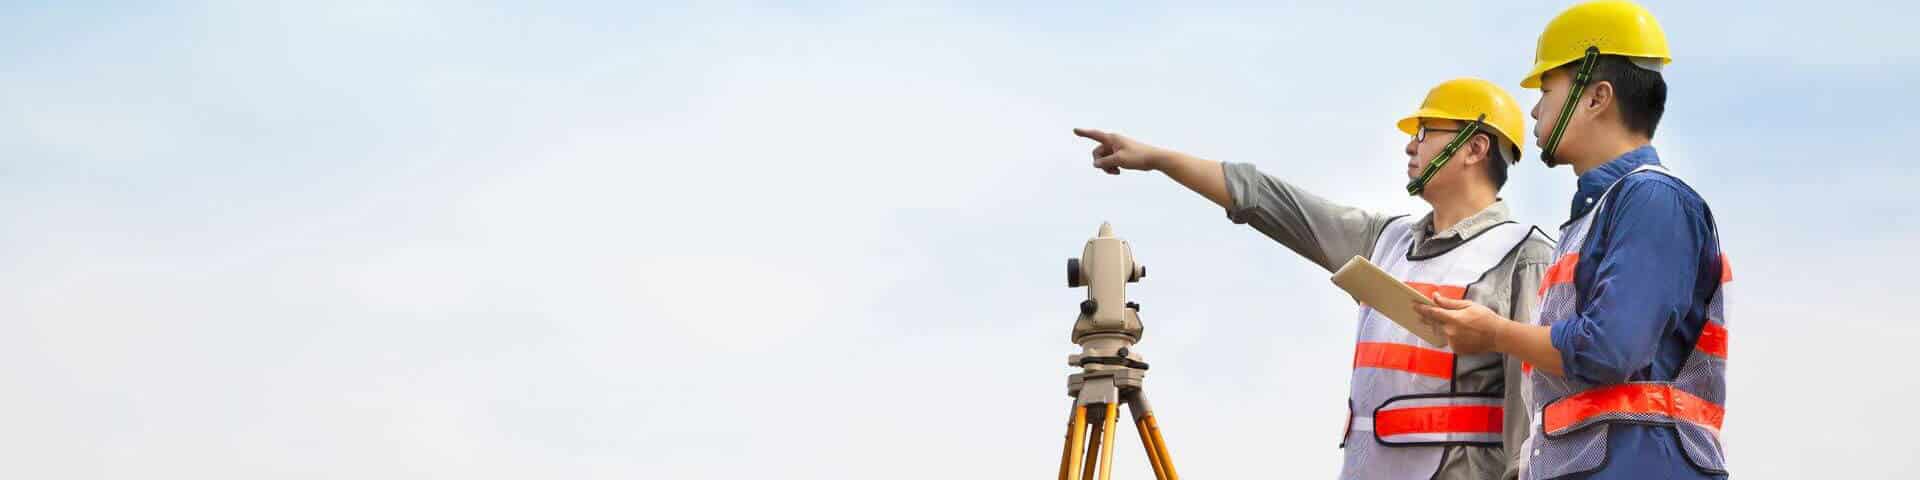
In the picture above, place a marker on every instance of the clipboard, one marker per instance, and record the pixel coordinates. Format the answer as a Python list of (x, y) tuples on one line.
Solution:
[(1376, 289)]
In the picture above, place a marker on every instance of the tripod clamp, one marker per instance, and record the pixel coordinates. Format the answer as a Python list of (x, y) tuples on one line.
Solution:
[(1122, 360)]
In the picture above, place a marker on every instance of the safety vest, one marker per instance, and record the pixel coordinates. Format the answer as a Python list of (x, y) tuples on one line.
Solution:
[(1404, 409), (1570, 417)]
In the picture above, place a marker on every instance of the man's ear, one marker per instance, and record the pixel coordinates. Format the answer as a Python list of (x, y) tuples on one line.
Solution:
[(1599, 98), (1477, 149)]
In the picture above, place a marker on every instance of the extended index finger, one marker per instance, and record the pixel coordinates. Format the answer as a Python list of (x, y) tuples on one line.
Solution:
[(1092, 134)]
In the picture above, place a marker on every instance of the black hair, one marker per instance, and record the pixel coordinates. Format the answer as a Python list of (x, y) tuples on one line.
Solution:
[(1640, 93), (1496, 161)]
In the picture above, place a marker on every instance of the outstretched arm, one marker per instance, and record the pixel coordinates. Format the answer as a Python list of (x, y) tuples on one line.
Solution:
[(1323, 232), (1198, 174)]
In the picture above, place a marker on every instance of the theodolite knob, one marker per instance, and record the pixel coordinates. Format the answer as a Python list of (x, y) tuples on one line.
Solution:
[(1073, 273), (1088, 306), (1134, 305)]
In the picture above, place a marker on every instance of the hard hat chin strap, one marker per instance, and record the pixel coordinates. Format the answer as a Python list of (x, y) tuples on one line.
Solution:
[(1580, 81), (1420, 184)]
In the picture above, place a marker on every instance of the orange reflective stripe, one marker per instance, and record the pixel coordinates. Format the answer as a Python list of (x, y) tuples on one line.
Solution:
[(1726, 269), (1463, 419), (1641, 398), (1402, 357), (1449, 291), (1713, 340), (1561, 272)]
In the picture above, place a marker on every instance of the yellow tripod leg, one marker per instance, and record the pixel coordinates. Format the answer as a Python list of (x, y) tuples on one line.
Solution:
[(1157, 449), (1149, 426), (1096, 423), (1146, 440), (1106, 441), (1072, 453)]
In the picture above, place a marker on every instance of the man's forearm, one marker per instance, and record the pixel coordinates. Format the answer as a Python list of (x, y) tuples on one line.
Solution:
[(1203, 176), (1532, 344)]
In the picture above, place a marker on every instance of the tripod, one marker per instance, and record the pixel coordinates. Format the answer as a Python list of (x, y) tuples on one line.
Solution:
[(1110, 373)]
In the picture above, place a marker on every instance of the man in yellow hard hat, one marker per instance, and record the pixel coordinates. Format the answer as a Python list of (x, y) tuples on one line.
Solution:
[(1415, 410), (1627, 357)]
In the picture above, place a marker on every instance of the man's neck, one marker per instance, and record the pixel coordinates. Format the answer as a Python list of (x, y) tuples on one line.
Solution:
[(1611, 147), (1450, 209)]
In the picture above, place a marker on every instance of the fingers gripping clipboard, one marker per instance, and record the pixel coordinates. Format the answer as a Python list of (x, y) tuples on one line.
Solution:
[(1377, 289)]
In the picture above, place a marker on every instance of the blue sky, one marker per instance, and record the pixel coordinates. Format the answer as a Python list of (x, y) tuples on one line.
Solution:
[(599, 240)]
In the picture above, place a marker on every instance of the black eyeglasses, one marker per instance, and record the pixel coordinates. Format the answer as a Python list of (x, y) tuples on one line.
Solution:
[(1420, 136)]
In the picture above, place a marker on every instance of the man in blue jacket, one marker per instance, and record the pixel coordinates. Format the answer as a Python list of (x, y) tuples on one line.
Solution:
[(1626, 358)]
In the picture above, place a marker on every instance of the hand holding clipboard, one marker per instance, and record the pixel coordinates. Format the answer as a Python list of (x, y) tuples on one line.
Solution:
[(1378, 290)]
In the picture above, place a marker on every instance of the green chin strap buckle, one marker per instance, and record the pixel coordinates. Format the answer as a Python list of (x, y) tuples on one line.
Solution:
[(1580, 81), (1420, 184)]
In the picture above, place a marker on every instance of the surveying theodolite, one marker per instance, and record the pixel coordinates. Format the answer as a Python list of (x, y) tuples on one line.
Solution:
[(1110, 373)]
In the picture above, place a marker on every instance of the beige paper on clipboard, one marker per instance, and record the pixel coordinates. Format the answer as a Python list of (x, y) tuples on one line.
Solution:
[(1374, 287)]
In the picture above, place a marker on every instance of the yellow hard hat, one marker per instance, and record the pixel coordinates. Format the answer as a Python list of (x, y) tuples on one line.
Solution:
[(1615, 27), (1466, 99)]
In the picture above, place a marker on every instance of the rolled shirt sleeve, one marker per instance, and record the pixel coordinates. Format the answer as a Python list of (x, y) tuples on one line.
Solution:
[(1324, 232)]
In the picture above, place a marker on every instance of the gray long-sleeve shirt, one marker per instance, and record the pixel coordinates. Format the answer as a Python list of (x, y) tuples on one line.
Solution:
[(1327, 234)]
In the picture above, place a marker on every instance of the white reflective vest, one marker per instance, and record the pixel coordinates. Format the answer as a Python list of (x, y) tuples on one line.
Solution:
[(1403, 406), (1570, 417)]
